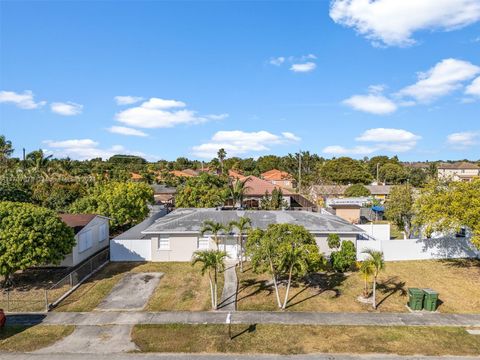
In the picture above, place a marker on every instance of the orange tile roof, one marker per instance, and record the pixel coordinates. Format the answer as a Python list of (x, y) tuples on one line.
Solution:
[(276, 175), (258, 187), (135, 176), (184, 173), (235, 174)]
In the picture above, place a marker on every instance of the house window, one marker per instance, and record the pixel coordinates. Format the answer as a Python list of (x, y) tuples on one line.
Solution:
[(102, 232), (85, 240), (164, 242), (203, 243)]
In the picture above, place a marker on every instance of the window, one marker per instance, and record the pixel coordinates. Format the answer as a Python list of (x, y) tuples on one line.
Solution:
[(164, 242), (85, 241), (203, 243), (102, 232)]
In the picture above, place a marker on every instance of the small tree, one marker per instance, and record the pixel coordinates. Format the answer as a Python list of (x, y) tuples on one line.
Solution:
[(333, 241), (212, 263), (378, 264), (366, 271), (215, 229), (238, 188), (31, 236), (399, 207), (357, 190), (242, 225), (345, 258)]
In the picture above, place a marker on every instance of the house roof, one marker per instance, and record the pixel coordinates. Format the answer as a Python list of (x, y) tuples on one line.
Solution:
[(191, 220), (258, 187), (340, 189), (77, 221), (277, 175), (184, 173), (135, 233), (135, 176), (459, 165), (163, 189), (235, 174)]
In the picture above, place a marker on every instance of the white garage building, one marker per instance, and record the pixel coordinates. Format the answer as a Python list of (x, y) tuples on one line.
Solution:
[(176, 236)]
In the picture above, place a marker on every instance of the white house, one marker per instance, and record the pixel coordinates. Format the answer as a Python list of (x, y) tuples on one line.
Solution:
[(462, 171), (176, 236), (91, 235)]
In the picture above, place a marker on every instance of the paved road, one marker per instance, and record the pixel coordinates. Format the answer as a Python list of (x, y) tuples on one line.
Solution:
[(228, 302), (125, 356), (247, 317)]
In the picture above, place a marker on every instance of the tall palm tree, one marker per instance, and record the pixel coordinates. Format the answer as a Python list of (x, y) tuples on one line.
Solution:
[(215, 229), (6, 149), (242, 225), (238, 188), (212, 263), (366, 271), (38, 160), (222, 154), (378, 264)]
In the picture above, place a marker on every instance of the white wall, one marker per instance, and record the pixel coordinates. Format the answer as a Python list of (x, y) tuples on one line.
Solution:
[(377, 231), (420, 249), (130, 250)]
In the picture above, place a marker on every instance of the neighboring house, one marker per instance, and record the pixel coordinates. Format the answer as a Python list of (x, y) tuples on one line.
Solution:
[(348, 208), (184, 173), (257, 188), (461, 171), (176, 236), (136, 177), (325, 192), (164, 195), (91, 235), (280, 178)]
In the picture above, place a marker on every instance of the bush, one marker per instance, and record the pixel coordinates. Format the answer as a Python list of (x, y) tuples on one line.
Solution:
[(357, 190), (345, 258), (333, 241)]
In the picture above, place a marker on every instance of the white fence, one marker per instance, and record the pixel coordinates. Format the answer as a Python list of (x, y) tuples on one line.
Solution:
[(420, 249), (131, 250), (377, 231)]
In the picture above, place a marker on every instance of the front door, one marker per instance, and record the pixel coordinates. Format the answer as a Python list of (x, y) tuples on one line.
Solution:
[(231, 248)]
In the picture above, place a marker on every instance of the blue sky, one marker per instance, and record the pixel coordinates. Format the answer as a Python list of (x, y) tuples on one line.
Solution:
[(165, 79)]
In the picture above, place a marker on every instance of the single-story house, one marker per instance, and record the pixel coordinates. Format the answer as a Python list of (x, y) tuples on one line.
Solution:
[(176, 236), (91, 236), (164, 195), (325, 192), (278, 177), (461, 171)]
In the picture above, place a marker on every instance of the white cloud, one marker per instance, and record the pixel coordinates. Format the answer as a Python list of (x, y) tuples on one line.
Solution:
[(23, 100), (372, 103), (277, 61), (161, 113), (393, 22), (303, 68), (123, 130), (83, 149), (473, 88), (462, 140), (127, 100), (382, 139), (445, 77), (216, 116), (66, 108), (239, 142)]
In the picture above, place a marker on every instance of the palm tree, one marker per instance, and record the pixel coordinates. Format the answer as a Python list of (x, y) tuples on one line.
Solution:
[(212, 262), (242, 224), (366, 270), (5, 149), (38, 160), (378, 264), (222, 154), (238, 190), (215, 229)]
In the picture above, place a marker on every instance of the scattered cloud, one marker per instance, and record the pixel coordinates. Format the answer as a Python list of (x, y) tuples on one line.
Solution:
[(303, 68), (462, 140), (277, 61), (393, 22), (371, 103), (23, 100), (162, 113), (66, 108), (445, 77), (474, 88), (217, 116), (127, 100), (84, 149), (381, 139), (239, 142), (123, 130)]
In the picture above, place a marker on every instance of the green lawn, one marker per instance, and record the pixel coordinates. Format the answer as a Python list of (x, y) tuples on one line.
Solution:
[(273, 339), (24, 338), (455, 280)]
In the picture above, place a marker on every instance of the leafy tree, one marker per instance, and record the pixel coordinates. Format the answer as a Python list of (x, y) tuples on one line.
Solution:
[(345, 170), (392, 173), (268, 162), (375, 259), (14, 187), (202, 191), (308, 164), (57, 195), (367, 270), (333, 241), (417, 177), (31, 236), (242, 225), (126, 159), (212, 262), (126, 204), (399, 207), (274, 202), (283, 250), (376, 162), (38, 160), (215, 229), (357, 190), (448, 207), (345, 258), (238, 188)]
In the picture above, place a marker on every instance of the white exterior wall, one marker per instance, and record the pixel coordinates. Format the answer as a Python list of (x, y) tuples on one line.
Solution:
[(420, 249), (457, 174), (131, 250), (181, 248), (377, 231), (321, 240)]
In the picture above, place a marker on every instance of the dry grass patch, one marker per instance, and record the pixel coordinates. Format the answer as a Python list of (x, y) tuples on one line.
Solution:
[(455, 280), (305, 339), (23, 338)]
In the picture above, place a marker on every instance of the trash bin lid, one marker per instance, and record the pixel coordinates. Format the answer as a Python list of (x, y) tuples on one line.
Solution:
[(430, 291), (415, 290)]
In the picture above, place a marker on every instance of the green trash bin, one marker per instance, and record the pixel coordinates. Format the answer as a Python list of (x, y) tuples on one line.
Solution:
[(430, 301), (415, 298)]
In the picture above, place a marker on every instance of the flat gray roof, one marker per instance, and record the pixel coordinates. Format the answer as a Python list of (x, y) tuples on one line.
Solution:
[(135, 233), (191, 220)]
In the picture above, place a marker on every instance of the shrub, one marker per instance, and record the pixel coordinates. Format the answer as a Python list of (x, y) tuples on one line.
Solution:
[(345, 258)]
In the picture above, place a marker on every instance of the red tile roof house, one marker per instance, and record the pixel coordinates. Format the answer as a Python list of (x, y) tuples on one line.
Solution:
[(91, 236), (281, 178)]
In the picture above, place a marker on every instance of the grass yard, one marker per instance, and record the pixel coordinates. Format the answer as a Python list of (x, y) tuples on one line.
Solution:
[(181, 288), (455, 280), (305, 339), (24, 338)]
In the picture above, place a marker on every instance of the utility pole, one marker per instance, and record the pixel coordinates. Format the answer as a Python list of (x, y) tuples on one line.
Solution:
[(378, 181), (299, 169)]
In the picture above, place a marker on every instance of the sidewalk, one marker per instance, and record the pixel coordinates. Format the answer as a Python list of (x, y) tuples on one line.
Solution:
[(246, 317), (228, 302)]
